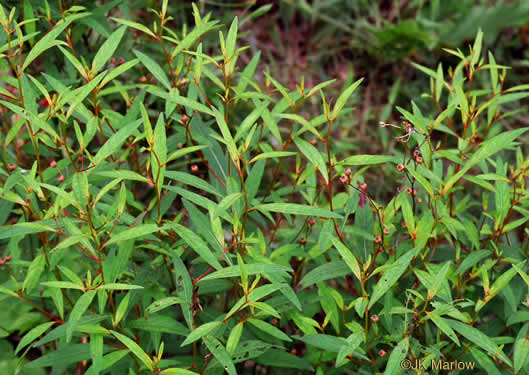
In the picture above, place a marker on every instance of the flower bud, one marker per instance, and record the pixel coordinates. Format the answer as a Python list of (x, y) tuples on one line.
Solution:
[(60, 178), (53, 163), (11, 167), (374, 318), (378, 239), (194, 168), (143, 79), (401, 167), (303, 241), (386, 231), (348, 172)]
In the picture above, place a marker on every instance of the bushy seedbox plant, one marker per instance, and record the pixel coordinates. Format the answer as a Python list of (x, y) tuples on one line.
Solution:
[(165, 212)]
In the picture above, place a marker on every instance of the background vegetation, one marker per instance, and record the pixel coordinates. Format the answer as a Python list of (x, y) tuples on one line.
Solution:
[(288, 187)]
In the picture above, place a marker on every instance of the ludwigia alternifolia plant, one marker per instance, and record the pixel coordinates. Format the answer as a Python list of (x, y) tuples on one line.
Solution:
[(163, 211)]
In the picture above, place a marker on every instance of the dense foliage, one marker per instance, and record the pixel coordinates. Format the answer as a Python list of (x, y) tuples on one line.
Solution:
[(167, 209)]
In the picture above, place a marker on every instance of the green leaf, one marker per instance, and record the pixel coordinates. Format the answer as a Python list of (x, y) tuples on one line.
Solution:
[(348, 257), (159, 153), (131, 233), (118, 286), (390, 276), (476, 49), (163, 304), (234, 338), (62, 285), (479, 338), (108, 48), (297, 209), (178, 371), (189, 179), (48, 40), (193, 36), (122, 174), (200, 332), (193, 240), (314, 156), (72, 353), (135, 25), (96, 351), (134, 348), (75, 62), (272, 154), (159, 323), (440, 277), (154, 68), (252, 269), (472, 259), (35, 270), (226, 135), (108, 361), (32, 335), (269, 329), (521, 349), (183, 281), (304, 123), (225, 204), (183, 101), (115, 142), (443, 326), (185, 151), (122, 308), (250, 120), (487, 149), (282, 358), (220, 354), (398, 354), (118, 71), (344, 96), (23, 229), (77, 312), (324, 342), (325, 272), (369, 160), (484, 361)]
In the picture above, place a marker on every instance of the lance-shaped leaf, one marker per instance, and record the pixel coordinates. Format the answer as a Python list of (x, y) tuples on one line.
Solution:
[(195, 242)]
